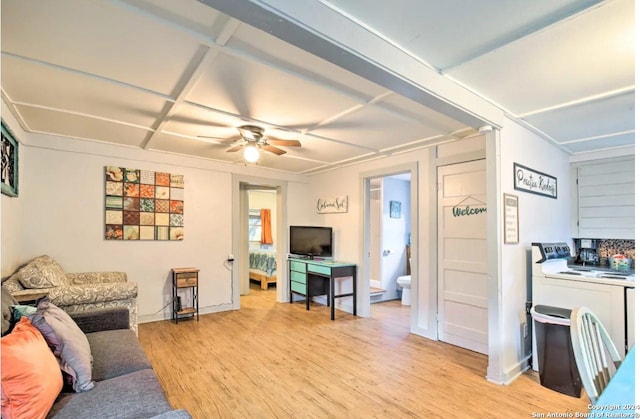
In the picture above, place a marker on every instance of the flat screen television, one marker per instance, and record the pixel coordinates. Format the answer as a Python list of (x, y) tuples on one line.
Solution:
[(311, 241)]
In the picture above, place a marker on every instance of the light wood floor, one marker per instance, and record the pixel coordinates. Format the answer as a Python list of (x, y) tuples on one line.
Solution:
[(274, 360)]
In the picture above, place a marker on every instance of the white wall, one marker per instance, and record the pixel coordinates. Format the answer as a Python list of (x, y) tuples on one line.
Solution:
[(348, 227), (60, 212), (541, 219)]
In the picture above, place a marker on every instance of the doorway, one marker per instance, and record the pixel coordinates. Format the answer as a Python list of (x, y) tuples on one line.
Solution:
[(390, 235), (377, 209), (263, 238), (462, 255), (241, 188)]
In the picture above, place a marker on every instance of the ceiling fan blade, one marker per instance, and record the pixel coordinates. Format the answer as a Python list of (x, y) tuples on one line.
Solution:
[(272, 149), (286, 143), (235, 148), (238, 93), (230, 139), (212, 137)]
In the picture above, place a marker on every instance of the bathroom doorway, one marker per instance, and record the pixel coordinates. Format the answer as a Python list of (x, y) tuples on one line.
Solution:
[(389, 244)]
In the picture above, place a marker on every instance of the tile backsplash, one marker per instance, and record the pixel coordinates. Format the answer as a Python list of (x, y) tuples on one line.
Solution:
[(604, 249), (610, 247)]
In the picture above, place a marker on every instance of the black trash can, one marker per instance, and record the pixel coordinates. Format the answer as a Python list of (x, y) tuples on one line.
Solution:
[(556, 363)]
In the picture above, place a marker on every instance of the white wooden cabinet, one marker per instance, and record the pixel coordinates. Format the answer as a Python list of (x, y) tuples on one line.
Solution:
[(606, 301)]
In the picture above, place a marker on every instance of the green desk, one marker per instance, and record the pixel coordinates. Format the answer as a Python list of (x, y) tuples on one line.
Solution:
[(311, 278)]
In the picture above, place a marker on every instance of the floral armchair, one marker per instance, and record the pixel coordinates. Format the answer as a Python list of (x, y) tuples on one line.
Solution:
[(75, 292)]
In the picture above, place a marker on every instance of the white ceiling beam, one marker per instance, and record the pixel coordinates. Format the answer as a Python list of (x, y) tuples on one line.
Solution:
[(82, 114), (352, 110), (598, 137), (199, 37), (323, 32), (190, 78), (87, 74), (581, 101)]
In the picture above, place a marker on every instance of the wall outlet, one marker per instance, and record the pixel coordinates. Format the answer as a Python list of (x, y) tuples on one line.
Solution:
[(524, 330)]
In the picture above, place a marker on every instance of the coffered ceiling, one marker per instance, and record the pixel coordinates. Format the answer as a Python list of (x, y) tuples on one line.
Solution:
[(351, 80)]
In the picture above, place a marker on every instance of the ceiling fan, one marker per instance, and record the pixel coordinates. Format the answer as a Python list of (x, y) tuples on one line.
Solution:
[(253, 140)]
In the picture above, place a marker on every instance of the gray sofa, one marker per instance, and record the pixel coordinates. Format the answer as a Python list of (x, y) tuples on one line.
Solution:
[(125, 383), (125, 387)]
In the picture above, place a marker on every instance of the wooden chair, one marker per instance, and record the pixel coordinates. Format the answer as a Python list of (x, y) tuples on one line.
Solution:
[(596, 355)]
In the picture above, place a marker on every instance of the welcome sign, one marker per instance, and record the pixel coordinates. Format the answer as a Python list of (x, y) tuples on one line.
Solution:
[(532, 181), (332, 205)]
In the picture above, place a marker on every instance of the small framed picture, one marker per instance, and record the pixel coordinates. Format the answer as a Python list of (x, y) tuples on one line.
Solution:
[(9, 162), (395, 208)]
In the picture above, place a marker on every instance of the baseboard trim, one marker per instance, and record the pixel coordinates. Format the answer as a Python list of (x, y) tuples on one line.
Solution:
[(510, 376), (148, 318)]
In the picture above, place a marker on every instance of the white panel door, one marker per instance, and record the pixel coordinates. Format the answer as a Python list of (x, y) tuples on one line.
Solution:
[(462, 255)]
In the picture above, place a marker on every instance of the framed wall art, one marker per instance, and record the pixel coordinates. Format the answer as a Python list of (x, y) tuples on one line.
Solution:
[(9, 162), (395, 209), (143, 205)]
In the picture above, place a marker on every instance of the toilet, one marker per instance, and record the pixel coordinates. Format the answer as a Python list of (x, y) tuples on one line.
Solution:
[(404, 282)]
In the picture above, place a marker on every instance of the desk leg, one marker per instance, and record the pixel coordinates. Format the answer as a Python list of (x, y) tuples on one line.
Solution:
[(355, 294), (332, 298), (328, 292)]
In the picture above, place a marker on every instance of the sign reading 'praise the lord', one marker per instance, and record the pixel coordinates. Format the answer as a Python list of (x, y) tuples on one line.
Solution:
[(532, 181)]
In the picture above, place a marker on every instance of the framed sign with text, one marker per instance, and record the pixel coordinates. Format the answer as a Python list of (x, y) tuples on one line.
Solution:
[(532, 181), (332, 205)]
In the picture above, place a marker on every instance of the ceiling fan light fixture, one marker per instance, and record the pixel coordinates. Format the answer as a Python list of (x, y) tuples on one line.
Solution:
[(251, 153)]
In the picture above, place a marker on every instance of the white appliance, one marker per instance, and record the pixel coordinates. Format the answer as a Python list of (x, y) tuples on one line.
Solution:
[(610, 294)]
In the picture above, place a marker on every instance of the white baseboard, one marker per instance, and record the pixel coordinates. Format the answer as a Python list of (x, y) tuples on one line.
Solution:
[(510, 375), (166, 315)]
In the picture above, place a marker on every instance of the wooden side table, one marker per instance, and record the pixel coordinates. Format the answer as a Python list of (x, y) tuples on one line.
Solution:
[(185, 278), (30, 298)]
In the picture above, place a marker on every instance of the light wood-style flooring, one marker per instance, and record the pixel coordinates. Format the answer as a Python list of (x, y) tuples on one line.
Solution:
[(275, 360)]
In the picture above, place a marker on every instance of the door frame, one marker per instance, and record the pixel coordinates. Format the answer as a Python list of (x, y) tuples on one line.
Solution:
[(497, 371), (364, 302), (240, 235)]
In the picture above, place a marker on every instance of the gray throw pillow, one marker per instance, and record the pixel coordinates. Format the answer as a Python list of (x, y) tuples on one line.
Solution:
[(66, 339), (5, 304), (42, 272)]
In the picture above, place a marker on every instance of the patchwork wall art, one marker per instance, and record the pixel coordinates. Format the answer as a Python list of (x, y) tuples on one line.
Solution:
[(143, 205)]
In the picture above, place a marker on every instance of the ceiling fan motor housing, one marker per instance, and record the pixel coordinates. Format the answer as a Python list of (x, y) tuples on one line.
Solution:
[(251, 132)]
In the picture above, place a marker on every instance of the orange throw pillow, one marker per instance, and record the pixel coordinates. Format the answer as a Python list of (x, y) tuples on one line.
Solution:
[(31, 376)]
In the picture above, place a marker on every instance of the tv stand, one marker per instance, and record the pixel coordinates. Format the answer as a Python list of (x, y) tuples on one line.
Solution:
[(311, 278)]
